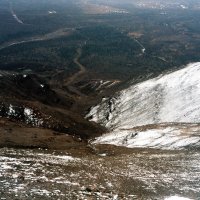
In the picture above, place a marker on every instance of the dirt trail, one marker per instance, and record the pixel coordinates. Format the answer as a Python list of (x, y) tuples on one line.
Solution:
[(69, 82), (81, 71)]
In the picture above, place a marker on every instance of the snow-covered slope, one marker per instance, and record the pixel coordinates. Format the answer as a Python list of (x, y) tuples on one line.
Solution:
[(171, 98), (162, 136)]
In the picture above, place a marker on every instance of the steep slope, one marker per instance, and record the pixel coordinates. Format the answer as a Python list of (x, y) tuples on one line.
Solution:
[(168, 99), (174, 97)]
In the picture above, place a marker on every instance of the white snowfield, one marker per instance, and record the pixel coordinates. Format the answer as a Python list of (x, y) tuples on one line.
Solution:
[(170, 98), (160, 136)]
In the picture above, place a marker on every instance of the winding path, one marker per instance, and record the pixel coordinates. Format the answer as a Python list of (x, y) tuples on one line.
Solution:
[(74, 77), (81, 71)]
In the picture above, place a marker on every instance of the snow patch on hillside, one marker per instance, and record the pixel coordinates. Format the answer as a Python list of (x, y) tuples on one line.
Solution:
[(26, 114), (161, 137)]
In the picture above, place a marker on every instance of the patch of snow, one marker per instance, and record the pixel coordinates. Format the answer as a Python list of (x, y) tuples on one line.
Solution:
[(183, 7), (15, 16), (19, 188), (103, 154), (57, 158), (40, 192), (102, 83), (30, 117), (113, 83), (52, 12), (5, 166), (4, 158), (120, 11), (11, 111), (28, 112), (143, 49), (163, 138), (66, 158), (109, 184), (177, 198)]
